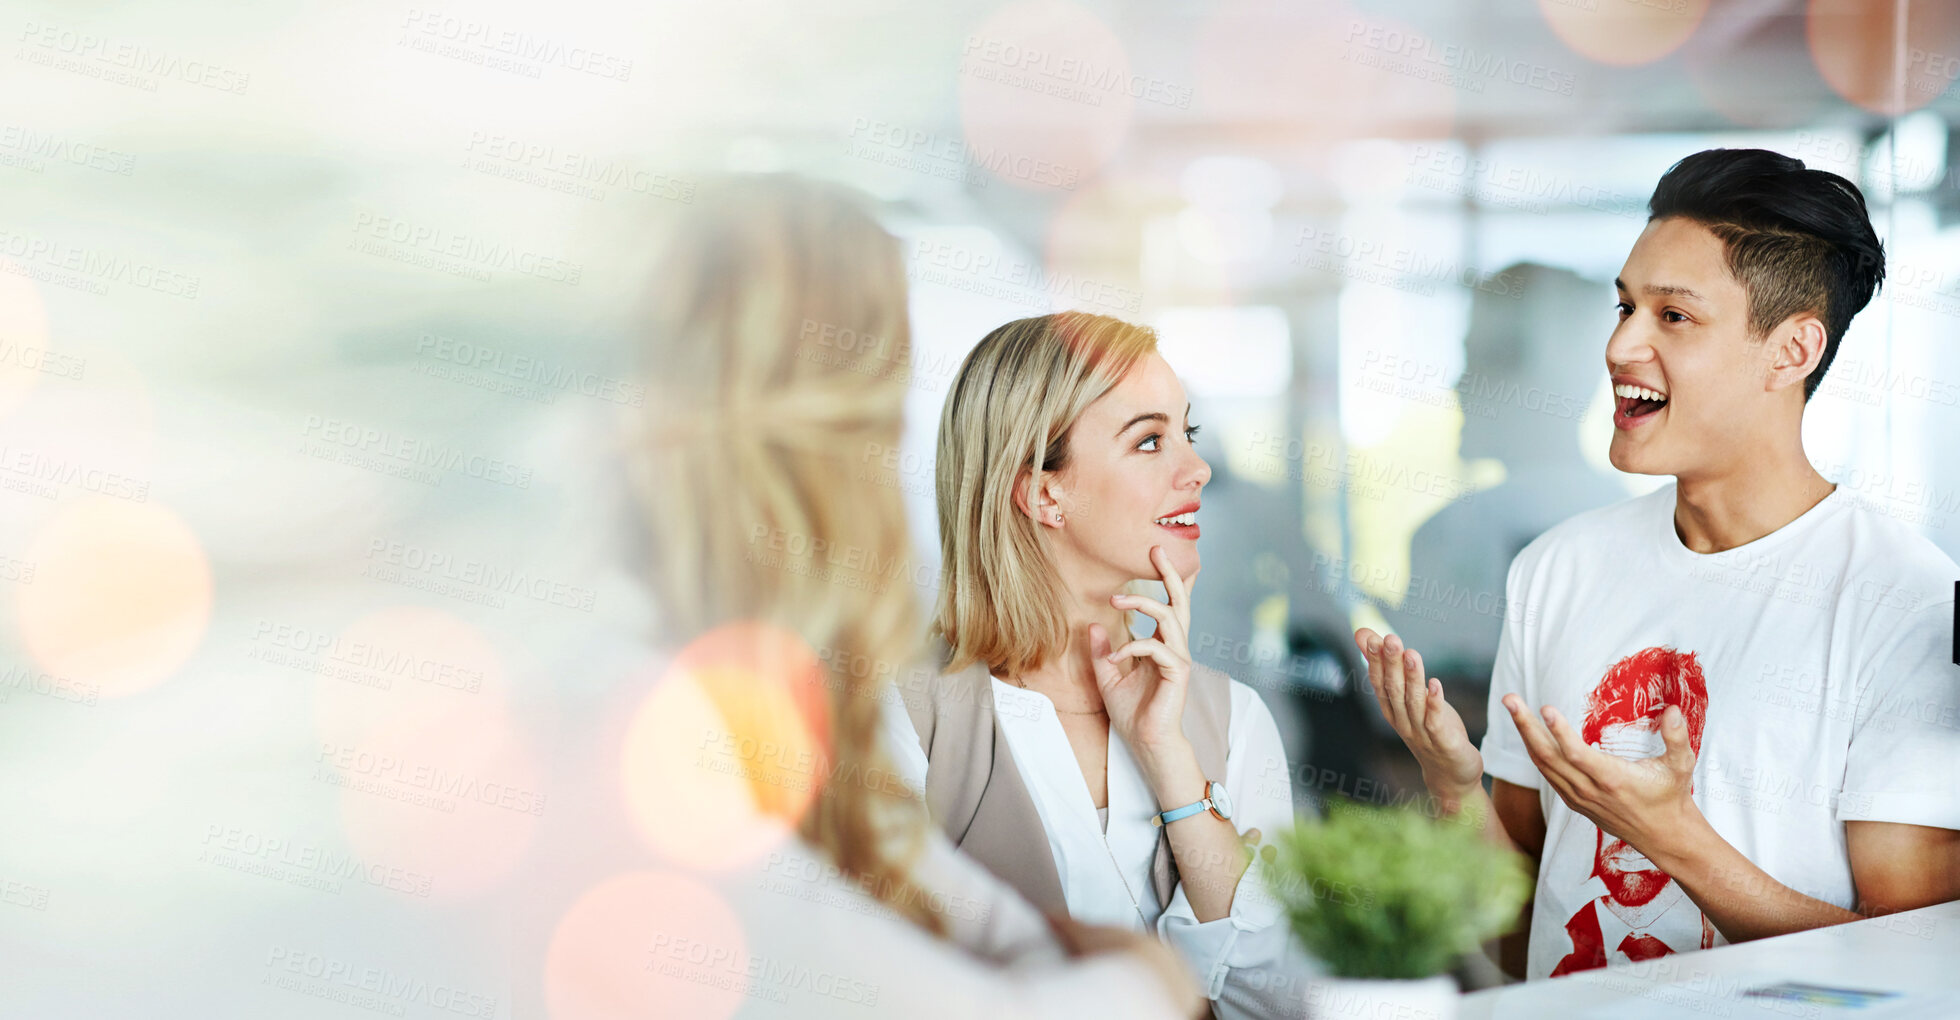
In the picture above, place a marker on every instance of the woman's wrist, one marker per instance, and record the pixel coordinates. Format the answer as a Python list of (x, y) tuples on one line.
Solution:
[(1173, 773)]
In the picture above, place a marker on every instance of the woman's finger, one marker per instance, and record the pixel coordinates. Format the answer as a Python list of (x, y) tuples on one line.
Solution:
[(1105, 672), (1173, 582), (1170, 629), (1168, 665), (1184, 605), (1150, 607)]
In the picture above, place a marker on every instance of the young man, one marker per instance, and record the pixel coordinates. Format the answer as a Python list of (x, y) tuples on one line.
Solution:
[(1731, 707)]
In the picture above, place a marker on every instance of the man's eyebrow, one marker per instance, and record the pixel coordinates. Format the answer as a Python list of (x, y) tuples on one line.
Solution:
[(1663, 290), (1151, 416)]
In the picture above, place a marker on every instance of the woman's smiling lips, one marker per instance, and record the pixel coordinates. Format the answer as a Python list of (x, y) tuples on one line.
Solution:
[(1182, 522)]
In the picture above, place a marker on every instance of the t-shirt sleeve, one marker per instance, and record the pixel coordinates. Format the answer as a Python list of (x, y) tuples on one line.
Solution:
[(1905, 744), (1503, 749)]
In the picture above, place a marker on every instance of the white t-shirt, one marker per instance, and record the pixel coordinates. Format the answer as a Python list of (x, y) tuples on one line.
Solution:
[(1814, 667)]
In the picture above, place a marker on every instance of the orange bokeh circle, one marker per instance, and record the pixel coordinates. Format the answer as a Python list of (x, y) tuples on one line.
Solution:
[(1624, 33), (121, 597), (1858, 47), (730, 748)]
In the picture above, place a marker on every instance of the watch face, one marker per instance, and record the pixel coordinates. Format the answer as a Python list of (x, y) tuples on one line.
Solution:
[(1221, 803)]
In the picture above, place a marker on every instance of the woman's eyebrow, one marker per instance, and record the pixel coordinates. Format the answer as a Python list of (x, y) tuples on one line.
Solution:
[(1156, 416)]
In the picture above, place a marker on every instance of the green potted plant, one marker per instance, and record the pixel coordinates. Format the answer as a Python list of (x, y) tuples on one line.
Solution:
[(1389, 899)]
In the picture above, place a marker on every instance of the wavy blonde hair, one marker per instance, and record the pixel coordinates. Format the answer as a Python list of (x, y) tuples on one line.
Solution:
[(1017, 396), (779, 345)]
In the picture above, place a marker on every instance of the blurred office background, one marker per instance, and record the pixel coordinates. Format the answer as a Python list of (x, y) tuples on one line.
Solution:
[(317, 358)]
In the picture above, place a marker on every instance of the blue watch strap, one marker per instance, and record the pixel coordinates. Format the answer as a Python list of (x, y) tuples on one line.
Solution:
[(1184, 812)]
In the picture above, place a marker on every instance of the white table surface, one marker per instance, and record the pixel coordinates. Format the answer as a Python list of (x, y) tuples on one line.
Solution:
[(1915, 951)]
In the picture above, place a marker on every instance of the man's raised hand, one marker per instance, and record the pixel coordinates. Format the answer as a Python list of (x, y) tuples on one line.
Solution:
[(1451, 765)]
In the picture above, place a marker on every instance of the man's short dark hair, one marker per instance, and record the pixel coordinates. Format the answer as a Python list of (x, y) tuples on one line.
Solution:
[(1798, 240)]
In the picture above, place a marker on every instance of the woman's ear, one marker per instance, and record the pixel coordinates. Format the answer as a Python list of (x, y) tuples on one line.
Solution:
[(1039, 503), (1025, 498)]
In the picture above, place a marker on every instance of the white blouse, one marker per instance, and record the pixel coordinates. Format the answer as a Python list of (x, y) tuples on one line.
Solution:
[(1244, 960)]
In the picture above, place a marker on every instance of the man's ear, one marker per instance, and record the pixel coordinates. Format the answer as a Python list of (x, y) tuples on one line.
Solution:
[(1792, 351)]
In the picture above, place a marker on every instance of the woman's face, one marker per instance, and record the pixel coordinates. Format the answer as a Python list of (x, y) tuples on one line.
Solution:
[(1132, 467)]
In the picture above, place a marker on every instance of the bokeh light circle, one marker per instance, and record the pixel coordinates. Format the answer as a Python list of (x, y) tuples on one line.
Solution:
[(121, 597), (408, 666), (647, 945), (411, 708), (1305, 78), (1859, 49), (1046, 95), (459, 809), (729, 749), (1624, 33)]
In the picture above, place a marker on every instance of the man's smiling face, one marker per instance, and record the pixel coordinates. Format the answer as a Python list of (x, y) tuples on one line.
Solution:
[(1688, 378)]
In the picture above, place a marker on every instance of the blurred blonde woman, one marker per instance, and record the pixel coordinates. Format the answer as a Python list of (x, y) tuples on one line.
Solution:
[(779, 353), (1101, 775)]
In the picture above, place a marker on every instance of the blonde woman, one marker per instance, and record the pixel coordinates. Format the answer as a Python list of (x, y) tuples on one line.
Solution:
[(779, 349), (1101, 775)]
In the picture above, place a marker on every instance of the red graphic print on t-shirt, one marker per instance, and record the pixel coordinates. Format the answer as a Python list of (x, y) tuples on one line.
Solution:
[(1623, 717)]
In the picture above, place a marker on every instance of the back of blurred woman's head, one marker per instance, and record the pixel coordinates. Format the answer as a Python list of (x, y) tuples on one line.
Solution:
[(778, 367), (1006, 424)]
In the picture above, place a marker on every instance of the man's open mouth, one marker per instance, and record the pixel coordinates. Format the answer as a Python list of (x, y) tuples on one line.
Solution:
[(1633, 402)]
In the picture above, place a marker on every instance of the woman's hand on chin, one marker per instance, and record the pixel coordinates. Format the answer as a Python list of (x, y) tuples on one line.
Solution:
[(1144, 683)]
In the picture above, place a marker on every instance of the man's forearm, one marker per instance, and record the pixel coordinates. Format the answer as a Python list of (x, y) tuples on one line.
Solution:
[(1740, 899), (1511, 949), (1474, 803)]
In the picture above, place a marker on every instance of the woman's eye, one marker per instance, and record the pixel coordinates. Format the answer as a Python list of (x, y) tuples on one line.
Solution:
[(1624, 309), (1152, 441), (1673, 316)]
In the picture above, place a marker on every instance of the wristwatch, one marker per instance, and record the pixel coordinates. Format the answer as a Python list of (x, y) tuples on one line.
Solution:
[(1216, 801)]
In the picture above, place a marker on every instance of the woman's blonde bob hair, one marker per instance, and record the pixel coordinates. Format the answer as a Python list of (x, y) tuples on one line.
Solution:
[(1017, 396), (778, 346)]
